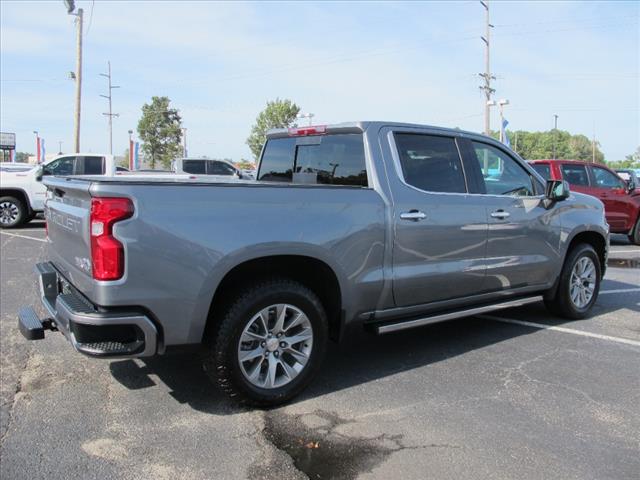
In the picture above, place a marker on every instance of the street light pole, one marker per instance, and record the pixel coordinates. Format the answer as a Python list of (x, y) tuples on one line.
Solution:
[(59, 147), (306, 115)]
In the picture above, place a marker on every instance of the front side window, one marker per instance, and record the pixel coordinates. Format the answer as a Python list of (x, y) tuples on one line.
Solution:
[(430, 163), (502, 174), (61, 167), (195, 167), (215, 167), (575, 174), (605, 179), (329, 160)]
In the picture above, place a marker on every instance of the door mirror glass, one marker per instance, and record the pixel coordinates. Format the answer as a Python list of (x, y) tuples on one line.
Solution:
[(557, 190)]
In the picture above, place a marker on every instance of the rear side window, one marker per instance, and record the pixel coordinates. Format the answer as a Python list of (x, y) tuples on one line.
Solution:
[(575, 174), (327, 160), (195, 167), (90, 166), (543, 169), (430, 163)]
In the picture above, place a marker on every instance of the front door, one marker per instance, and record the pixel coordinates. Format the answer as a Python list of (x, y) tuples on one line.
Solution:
[(440, 232), (522, 246), (612, 191)]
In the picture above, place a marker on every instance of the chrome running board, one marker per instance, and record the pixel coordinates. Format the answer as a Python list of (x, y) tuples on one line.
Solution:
[(442, 317)]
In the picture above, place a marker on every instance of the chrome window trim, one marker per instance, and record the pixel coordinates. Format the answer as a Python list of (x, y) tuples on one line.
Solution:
[(398, 167)]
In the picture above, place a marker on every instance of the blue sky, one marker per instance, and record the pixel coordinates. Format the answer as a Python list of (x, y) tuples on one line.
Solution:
[(406, 61)]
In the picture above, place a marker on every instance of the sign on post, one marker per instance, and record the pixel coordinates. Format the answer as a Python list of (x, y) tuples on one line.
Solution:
[(7, 141)]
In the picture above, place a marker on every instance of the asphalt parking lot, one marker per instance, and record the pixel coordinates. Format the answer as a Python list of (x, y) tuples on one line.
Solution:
[(519, 394)]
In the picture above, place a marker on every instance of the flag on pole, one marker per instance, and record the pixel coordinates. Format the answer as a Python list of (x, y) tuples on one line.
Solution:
[(136, 156), (131, 164), (42, 150), (38, 149), (503, 133)]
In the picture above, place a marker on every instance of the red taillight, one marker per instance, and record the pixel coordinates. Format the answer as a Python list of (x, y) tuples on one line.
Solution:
[(107, 253), (303, 131)]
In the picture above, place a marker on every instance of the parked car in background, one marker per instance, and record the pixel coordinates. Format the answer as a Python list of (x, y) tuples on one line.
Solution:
[(205, 166), (22, 192), (367, 225), (629, 175), (621, 200), (16, 166)]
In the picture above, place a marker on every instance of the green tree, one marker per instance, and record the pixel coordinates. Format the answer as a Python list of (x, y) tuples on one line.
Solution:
[(159, 129), (277, 114), (634, 157), (541, 145), (22, 157)]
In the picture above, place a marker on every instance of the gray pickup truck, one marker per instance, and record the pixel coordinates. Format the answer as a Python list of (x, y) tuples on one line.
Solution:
[(367, 225)]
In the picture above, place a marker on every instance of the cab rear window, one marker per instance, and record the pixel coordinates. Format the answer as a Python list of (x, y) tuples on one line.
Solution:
[(327, 160)]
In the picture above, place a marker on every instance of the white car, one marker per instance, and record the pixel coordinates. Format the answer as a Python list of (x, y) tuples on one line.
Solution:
[(22, 193)]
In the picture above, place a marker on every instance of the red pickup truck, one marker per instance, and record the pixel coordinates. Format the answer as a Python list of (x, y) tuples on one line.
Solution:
[(621, 200)]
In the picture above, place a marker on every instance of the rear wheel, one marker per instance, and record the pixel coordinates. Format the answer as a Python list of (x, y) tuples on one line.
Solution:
[(269, 343), (12, 212), (579, 284), (635, 233)]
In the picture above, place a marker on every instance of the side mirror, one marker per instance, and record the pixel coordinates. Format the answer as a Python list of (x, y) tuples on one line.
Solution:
[(631, 186), (557, 190)]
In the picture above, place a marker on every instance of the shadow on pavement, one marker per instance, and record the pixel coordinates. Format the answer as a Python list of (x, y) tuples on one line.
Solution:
[(361, 359)]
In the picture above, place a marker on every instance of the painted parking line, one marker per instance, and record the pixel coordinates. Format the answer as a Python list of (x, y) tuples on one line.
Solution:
[(626, 341), (44, 240), (620, 290)]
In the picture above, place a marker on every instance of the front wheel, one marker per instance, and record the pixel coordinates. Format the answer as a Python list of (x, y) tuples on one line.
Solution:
[(269, 344), (579, 284), (12, 212), (635, 233)]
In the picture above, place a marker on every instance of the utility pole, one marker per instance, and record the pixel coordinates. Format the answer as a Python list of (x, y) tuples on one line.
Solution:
[(59, 147), (488, 91), (70, 4), (555, 134), (184, 142), (110, 114)]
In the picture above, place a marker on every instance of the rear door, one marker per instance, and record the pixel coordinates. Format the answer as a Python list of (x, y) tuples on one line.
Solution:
[(521, 245), (440, 231), (611, 189)]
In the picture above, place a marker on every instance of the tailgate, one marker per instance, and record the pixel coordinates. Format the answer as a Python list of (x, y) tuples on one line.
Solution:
[(67, 210)]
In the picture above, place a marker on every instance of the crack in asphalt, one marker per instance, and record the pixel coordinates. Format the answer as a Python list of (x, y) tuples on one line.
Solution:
[(15, 397)]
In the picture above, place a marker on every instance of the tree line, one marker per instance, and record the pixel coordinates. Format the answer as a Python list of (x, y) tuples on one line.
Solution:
[(160, 130)]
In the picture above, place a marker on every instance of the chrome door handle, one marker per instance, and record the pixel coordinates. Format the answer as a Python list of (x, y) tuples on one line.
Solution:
[(501, 214), (414, 215)]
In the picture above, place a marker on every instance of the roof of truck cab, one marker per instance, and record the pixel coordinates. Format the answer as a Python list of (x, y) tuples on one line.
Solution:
[(361, 126)]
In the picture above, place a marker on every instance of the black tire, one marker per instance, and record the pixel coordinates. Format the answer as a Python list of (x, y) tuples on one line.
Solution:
[(561, 303), (13, 212), (635, 233), (221, 347)]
